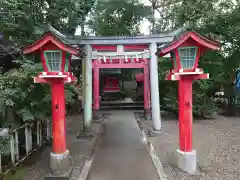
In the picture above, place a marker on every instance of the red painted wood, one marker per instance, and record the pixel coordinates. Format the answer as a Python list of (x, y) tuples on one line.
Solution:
[(181, 117), (132, 66), (50, 38), (110, 48), (45, 68), (96, 88), (57, 73), (111, 81), (136, 47), (107, 81), (191, 38), (179, 66), (48, 80), (185, 113), (116, 82), (121, 64), (146, 89), (63, 60), (58, 117), (197, 57), (193, 76), (117, 61), (139, 77), (111, 84)]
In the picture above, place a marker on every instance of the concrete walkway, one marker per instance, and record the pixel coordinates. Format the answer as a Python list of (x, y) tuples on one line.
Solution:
[(122, 154)]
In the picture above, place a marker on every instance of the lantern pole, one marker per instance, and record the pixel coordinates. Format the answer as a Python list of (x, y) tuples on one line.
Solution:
[(59, 157), (185, 113), (58, 116), (186, 155)]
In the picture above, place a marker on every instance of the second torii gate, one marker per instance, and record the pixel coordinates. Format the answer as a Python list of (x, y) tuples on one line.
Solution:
[(121, 61)]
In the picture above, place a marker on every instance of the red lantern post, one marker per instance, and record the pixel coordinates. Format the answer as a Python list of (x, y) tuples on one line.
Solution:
[(55, 57), (185, 52)]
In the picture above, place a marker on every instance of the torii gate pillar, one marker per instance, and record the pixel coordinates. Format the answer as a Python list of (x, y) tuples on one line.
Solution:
[(155, 101), (87, 89)]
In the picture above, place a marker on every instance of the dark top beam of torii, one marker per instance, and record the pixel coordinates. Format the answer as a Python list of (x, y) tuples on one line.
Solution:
[(161, 38)]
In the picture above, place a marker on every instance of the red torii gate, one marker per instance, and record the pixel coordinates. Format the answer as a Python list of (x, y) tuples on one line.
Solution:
[(130, 60)]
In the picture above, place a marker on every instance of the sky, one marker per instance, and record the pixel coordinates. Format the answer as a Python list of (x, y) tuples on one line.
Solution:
[(144, 27)]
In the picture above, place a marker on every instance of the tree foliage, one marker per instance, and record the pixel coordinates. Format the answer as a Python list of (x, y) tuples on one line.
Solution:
[(24, 100), (215, 19), (117, 17), (22, 20)]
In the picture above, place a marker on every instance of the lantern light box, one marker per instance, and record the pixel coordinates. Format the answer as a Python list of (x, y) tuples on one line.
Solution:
[(56, 62), (55, 57), (53, 60), (185, 53), (187, 57)]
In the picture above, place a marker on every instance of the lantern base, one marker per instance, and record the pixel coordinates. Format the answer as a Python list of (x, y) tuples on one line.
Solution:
[(59, 163), (186, 161)]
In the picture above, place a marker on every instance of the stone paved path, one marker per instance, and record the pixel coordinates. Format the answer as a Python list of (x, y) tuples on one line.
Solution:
[(122, 154)]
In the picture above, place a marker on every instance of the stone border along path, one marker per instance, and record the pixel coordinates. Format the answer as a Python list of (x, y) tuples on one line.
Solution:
[(91, 153), (161, 173), (88, 158)]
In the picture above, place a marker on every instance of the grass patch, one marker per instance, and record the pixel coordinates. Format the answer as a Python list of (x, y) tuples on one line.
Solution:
[(16, 174)]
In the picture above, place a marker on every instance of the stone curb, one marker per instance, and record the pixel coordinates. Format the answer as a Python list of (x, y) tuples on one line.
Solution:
[(88, 158), (157, 163)]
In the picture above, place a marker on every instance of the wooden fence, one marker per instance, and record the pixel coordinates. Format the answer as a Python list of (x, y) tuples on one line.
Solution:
[(33, 136)]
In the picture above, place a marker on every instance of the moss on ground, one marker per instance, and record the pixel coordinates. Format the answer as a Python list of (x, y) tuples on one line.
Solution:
[(16, 174)]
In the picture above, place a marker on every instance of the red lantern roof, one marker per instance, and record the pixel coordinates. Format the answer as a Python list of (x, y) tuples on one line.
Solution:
[(52, 38), (195, 39)]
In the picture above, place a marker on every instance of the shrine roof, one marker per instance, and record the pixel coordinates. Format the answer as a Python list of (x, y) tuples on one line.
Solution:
[(183, 37), (51, 36)]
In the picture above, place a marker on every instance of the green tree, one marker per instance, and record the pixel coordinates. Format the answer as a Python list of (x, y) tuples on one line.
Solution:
[(22, 21), (117, 17), (217, 20)]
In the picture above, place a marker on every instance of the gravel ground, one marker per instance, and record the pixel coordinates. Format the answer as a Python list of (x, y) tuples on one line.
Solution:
[(217, 142), (37, 168)]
